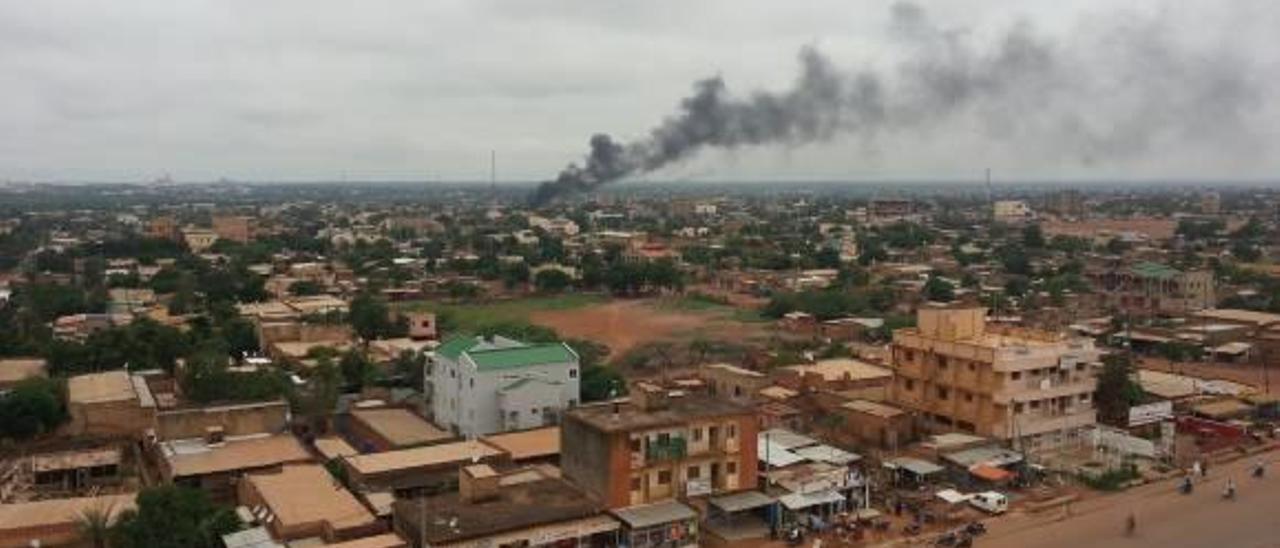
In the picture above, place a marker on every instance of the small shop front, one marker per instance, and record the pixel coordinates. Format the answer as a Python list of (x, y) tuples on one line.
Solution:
[(660, 525)]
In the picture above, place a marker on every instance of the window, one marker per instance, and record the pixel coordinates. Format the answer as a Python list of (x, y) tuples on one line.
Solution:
[(635, 445), (694, 472), (1017, 408), (635, 483), (973, 366), (731, 467), (573, 373), (731, 431), (664, 477), (1084, 398), (942, 393), (909, 385), (697, 434), (968, 396), (513, 416), (1035, 404), (737, 391), (1015, 375), (942, 363)]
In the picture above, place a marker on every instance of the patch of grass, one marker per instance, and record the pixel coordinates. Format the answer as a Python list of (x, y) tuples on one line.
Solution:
[(474, 316)]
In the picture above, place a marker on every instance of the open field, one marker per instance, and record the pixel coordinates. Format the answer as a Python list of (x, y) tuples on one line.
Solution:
[(622, 324), (625, 324)]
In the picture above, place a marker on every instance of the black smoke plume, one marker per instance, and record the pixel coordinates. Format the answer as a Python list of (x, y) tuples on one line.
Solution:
[(1117, 91)]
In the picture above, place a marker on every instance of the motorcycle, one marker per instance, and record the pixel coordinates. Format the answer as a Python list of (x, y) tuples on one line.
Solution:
[(1186, 486), (975, 529), (1258, 471)]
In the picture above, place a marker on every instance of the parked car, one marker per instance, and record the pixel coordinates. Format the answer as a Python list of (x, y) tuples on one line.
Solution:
[(990, 501)]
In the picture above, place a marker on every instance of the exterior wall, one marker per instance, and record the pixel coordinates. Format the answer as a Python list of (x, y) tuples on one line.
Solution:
[(234, 228), (235, 420), (610, 467), (119, 418), (1006, 392), (466, 400), (733, 386)]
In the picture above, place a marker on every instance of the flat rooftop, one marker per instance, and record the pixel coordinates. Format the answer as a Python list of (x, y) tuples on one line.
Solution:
[(195, 458), (72, 460), (400, 427), (303, 494), (873, 408), (842, 369), (623, 415), (519, 506), (13, 370), (528, 444), (109, 386), (422, 457), (55, 512)]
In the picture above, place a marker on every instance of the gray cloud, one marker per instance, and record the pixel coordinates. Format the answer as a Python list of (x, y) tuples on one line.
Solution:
[(310, 89)]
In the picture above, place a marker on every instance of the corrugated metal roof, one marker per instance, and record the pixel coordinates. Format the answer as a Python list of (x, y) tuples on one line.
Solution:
[(506, 358), (648, 515)]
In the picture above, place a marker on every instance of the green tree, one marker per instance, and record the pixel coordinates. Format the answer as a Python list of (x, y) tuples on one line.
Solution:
[(356, 369), (34, 406), (552, 280), (370, 317), (1117, 390), (940, 290), (1032, 237), (94, 525), (173, 516)]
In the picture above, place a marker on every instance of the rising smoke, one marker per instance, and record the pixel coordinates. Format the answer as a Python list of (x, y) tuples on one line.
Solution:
[(1121, 92)]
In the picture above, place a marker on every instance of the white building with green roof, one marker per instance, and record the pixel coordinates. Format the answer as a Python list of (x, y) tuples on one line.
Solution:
[(483, 386)]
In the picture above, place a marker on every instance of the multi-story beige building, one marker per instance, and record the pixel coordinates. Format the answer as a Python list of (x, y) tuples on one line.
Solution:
[(1032, 388)]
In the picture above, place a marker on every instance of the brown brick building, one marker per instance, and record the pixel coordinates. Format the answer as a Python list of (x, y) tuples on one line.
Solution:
[(659, 446)]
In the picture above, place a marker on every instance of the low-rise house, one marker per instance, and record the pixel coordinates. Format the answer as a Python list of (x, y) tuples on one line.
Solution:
[(302, 501), (389, 428), (527, 447), (523, 508), (429, 469), (55, 522), (110, 404), (838, 375), (73, 471), (16, 370), (216, 464), (736, 384)]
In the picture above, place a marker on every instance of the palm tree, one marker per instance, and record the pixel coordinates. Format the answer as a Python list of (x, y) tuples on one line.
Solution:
[(95, 524)]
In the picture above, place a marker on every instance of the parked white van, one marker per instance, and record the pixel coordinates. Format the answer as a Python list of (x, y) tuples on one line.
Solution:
[(989, 501)]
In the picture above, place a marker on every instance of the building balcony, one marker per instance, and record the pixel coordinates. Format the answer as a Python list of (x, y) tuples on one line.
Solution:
[(672, 449)]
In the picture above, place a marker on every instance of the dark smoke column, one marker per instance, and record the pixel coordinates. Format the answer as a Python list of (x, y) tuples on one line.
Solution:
[(811, 110), (1053, 99)]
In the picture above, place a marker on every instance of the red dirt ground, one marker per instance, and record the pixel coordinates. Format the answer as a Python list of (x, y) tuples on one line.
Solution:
[(623, 325)]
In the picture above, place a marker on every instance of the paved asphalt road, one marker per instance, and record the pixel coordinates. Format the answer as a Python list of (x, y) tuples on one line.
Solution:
[(1165, 518)]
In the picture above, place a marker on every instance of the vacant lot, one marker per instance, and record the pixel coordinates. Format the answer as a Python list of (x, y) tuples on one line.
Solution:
[(473, 316), (625, 324)]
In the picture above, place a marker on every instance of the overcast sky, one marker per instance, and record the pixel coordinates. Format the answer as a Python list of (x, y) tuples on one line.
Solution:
[(129, 90)]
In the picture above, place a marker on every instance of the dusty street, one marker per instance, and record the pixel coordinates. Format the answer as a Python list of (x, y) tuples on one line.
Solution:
[(1165, 517)]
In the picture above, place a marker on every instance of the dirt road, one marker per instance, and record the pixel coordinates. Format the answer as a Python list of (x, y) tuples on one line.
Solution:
[(1165, 517)]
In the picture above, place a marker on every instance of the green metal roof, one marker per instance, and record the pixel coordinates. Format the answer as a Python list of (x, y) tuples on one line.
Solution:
[(454, 347), (509, 358), (1149, 269)]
